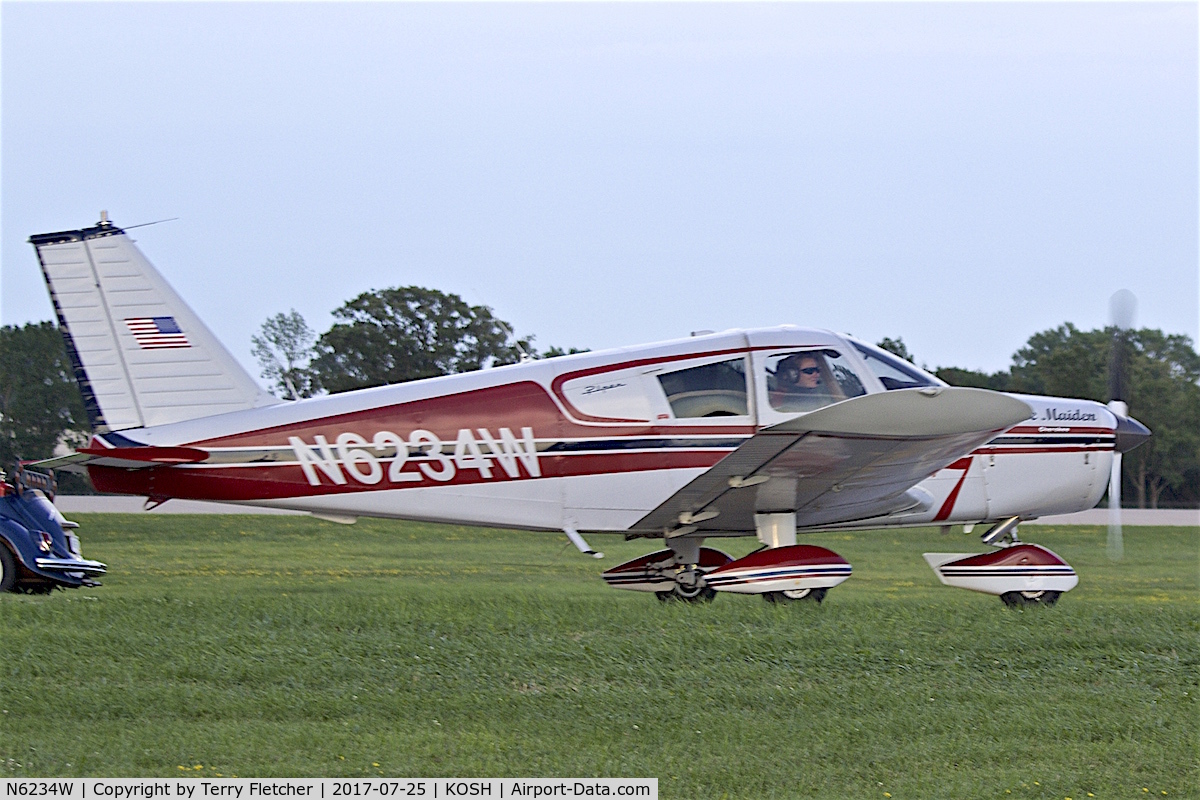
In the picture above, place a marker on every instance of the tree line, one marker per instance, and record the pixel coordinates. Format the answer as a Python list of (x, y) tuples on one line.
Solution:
[(387, 336), (40, 404), (408, 333)]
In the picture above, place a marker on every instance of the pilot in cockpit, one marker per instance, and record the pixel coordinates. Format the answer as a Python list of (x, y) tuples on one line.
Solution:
[(798, 384), (799, 374)]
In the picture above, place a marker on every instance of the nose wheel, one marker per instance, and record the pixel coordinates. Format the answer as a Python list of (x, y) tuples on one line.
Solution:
[(1021, 599), (1019, 574)]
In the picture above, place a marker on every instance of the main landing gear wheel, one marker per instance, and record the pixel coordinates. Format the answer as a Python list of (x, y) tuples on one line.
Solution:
[(688, 594), (796, 595), (690, 587), (1020, 599), (8, 570)]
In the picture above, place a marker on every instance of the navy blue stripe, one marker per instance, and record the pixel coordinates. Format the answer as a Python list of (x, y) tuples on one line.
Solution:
[(1082, 439), (117, 440), (638, 579), (91, 405), (968, 572), (643, 444), (783, 573)]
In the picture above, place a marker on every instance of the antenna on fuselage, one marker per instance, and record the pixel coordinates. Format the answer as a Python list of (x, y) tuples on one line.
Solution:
[(105, 222), (525, 357), (144, 224)]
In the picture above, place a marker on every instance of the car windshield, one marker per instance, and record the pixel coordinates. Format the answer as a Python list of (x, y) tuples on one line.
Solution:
[(893, 372)]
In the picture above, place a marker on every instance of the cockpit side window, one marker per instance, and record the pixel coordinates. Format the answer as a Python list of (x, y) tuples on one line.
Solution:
[(711, 390), (809, 379), (893, 372)]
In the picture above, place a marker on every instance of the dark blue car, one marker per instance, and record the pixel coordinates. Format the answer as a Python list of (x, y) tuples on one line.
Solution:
[(38, 551)]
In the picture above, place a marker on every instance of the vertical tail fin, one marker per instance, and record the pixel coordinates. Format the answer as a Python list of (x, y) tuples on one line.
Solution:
[(141, 356)]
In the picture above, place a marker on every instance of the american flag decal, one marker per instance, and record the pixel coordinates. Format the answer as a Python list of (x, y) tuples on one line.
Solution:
[(156, 333)]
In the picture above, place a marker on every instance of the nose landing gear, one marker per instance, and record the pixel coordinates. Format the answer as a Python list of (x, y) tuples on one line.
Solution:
[(1020, 574), (1019, 599)]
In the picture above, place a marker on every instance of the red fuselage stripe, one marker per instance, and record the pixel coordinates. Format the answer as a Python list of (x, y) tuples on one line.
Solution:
[(948, 506), (283, 481)]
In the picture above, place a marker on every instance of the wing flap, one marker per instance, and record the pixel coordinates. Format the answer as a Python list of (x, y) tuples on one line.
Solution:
[(852, 460)]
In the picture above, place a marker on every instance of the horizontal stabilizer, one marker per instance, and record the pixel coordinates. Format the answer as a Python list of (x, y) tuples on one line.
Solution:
[(127, 457)]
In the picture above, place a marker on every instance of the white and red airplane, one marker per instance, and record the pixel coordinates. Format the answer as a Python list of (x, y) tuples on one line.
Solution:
[(765, 432)]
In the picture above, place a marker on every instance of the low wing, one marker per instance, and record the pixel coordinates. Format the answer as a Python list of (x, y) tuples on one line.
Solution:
[(852, 460)]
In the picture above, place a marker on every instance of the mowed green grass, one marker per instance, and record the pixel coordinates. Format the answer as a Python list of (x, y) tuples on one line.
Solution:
[(286, 646)]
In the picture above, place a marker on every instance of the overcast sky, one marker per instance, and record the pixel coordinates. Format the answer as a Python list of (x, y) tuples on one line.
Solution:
[(959, 175)]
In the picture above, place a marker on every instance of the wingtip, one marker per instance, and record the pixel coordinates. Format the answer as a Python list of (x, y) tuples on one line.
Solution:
[(914, 413)]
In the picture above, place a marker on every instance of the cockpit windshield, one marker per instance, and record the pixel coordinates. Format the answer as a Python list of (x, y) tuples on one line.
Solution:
[(893, 372)]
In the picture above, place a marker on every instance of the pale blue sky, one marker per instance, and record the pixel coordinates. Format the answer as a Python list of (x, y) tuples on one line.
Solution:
[(960, 175)]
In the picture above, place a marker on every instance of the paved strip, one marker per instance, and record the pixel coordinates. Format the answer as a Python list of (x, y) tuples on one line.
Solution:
[(1187, 517)]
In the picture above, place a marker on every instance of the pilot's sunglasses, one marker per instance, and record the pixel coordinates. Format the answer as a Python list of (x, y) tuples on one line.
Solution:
[(811, 370)]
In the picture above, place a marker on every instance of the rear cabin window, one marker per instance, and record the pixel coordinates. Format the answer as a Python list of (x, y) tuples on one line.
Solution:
[(809, 379), (893, 372), (711, 390), (621, 394)]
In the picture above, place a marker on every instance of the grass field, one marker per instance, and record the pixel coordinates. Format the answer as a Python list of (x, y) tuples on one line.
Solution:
[(285, 646)]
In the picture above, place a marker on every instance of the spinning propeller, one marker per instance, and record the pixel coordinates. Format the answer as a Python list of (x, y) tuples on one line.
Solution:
[(1121, 307)]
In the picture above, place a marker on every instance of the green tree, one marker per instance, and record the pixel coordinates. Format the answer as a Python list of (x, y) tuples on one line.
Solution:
[(956, 376), (1064, 362), (896, 347), (1165, 396), (39, 401), (284, 349), (554, 351), (407, 333)]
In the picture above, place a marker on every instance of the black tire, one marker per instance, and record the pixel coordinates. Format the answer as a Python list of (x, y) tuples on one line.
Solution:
[(1050, 598), (797, 596), (1043, 598), (8, 570), (702, 594), (1022, 599)]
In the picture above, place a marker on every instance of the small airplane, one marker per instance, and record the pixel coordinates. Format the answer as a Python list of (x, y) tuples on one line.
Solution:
[(770, 433)]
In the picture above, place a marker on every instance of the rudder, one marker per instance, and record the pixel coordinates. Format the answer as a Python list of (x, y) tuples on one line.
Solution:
[(141, 356)]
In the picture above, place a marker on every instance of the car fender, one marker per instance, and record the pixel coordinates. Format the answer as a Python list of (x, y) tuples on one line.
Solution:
[(22, 542)]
